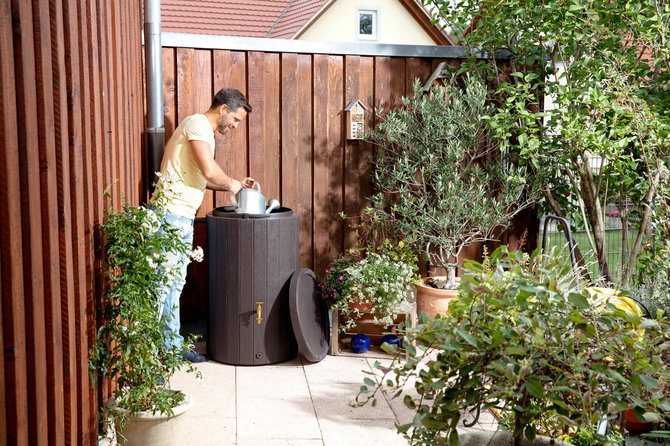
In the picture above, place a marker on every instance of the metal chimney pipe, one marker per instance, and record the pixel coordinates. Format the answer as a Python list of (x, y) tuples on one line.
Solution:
[(154, 77)]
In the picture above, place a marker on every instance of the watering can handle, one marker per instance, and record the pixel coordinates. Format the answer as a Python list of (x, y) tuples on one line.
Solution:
[(233, 200)]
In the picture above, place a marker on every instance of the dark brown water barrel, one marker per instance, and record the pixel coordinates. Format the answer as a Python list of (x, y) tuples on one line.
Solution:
[(250, 260)]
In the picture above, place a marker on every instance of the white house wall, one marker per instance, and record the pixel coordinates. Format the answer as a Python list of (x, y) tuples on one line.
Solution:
[(340, 21)]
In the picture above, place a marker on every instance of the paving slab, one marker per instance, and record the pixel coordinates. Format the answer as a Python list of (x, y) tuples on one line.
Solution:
[(376, 432), (337, 369)]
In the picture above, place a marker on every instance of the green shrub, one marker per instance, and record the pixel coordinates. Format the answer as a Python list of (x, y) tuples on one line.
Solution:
[(523, 336)]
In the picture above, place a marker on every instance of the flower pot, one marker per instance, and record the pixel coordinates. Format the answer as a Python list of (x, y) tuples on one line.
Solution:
[(433, 301), (634, 425), (147, 429), (503, 438), (363, 307)]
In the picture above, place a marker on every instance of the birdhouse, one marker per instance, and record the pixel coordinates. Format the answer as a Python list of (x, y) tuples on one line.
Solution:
[(355, 116)]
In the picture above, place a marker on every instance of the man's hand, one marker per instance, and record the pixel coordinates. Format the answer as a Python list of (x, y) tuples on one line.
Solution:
[(235, 186), (248, 182)]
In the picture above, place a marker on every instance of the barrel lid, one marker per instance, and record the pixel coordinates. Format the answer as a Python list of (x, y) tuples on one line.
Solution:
[(309, 315)]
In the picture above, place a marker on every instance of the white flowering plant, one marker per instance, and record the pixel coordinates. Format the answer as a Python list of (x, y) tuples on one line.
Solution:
[(141, 253), (380, 284)]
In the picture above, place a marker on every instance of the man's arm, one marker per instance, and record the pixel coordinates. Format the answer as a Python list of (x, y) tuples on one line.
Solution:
[(215, 176)]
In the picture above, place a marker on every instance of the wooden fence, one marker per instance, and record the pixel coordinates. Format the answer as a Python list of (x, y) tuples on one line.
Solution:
[(71, 119), (293, 141)]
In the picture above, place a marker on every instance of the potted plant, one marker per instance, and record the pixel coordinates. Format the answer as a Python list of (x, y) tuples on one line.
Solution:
[(440, 179), (523, 337), (139, 255), (375, 281)]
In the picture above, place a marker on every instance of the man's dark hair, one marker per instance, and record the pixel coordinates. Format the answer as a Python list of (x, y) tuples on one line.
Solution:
[(233, 98)]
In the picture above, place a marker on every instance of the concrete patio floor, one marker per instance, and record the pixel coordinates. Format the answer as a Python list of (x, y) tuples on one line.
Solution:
[(294, 403)]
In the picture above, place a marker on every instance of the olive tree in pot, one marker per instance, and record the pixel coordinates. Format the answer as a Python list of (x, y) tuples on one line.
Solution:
[(140, 259), (523, 337), (440, 180)]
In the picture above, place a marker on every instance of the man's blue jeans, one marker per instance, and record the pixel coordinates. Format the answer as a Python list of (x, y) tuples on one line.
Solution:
[(171, 293)]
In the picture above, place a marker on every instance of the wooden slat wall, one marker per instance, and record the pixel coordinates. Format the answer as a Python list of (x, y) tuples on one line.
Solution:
[(293, 141), (71, 120)]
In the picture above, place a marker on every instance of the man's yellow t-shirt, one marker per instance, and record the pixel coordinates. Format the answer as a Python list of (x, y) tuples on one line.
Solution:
[(186, 184)]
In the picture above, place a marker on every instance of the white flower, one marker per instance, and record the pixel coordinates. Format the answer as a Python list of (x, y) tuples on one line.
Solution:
[(197, 254), (152, 260), (170, 260), (151, 222)]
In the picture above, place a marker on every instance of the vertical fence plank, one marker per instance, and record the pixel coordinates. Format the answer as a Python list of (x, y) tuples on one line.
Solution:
[(169, 92), (75, 188), (118, 148), (185, 88), (47, 106), (84, 173), (417, 69), (230, 71), (24, 49), (365, 150), (15, 413), (264, 121), (64, 317), (352, 155), (202, 81), (296, 142), (328, 159), (90, 178)]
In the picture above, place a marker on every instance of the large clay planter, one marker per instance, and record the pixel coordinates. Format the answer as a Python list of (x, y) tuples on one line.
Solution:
[(634, 425), (433, 301), (147, 429)]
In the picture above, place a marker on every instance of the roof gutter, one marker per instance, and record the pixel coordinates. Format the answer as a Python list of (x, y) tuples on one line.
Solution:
[(154, 75)]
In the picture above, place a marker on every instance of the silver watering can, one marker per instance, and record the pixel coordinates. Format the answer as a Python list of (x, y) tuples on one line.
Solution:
[(251, 201)]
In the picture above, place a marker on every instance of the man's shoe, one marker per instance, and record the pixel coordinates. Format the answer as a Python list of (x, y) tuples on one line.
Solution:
[(194, 357)]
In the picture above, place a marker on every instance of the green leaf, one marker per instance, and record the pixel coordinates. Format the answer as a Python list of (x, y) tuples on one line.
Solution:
[(647, 323), (467, 336), (578, 301), (453, 438), (535, 388), (649, 382), (530, 433)]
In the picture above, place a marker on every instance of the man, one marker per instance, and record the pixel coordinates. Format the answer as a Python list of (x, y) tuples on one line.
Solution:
[(187, 169)]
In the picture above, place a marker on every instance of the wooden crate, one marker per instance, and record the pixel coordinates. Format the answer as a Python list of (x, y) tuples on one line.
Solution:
[(340, 342)]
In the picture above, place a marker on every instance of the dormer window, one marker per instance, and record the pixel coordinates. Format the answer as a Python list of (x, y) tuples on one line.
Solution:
[(367, 23)]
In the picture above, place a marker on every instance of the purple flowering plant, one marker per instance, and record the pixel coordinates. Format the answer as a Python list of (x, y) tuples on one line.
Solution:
[(337, 283)]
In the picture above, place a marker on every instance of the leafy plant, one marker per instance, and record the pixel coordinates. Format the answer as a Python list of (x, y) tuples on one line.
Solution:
[(140, 252), (585, 437), (524, 337), (583, 95), (652, 282), (378, 282), (441, 181), (337, 284)]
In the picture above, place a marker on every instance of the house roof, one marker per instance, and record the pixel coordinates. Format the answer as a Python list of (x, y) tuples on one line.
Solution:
[(299, 13), (280, 19), (251, 18)]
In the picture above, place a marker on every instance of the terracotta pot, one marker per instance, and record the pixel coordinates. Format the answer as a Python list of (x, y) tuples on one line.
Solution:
[(433, 301), (362, 307), (634, 425)]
